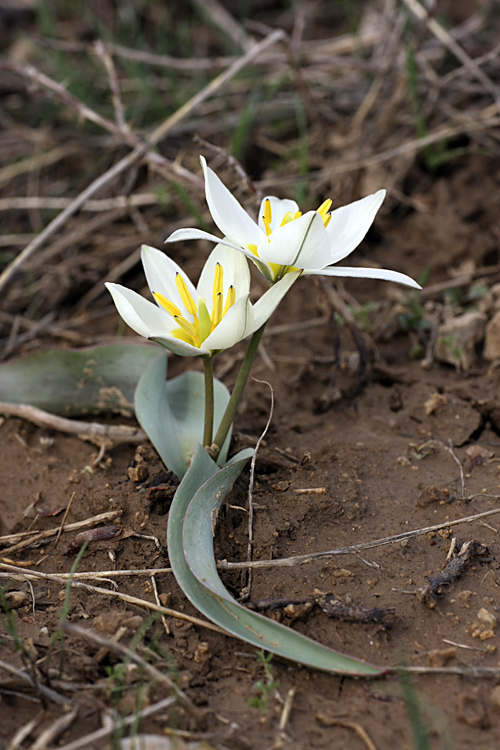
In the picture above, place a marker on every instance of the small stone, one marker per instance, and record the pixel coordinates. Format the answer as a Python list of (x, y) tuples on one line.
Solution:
[(440, 657), (138, 473), (457, 339), (495, 698), (434, 402), (16, 599), (202, 653), (492, 338), (433, 494), (487, 618), (165, 599), (486, 635), (472, 711)]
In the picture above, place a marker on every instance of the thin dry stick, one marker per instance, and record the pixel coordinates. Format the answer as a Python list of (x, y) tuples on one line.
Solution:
[(285, 562), (37, 536), (49, 735), (134, 657), (63, 522), (118, 595), (157, 600), (463, 671), (94, 432), (454, 456), (444, 37), (226, 22), (102, 53), (34, 162), (287, 709), (312, 52), (84, 112), (357, 728), (46, 692), (248, 587), (90, 740), (138, 153), (22, 733), (87, 574), (412, 146), (26, 203)]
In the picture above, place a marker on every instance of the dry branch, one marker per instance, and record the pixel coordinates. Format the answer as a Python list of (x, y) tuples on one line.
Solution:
[(94, 432), (32, 537), (355, 548), (140, 151)]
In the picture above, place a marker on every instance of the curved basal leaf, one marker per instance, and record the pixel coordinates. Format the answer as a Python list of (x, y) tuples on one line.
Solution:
[(190, 548), (75, 382), (172, 413)]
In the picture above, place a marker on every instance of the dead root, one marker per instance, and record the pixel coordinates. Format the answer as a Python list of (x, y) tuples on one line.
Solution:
[(330, 604), (453, 569)]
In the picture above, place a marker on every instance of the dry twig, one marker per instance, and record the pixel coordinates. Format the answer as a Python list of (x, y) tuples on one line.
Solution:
[(353, 549), (94, 432)]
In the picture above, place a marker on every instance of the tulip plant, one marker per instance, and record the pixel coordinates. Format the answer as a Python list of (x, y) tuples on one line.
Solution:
[(180, 417), (215, 315)]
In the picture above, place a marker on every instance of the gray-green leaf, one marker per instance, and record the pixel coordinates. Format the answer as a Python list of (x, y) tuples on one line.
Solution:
[(94, 380), (191, 554), (172, 413)]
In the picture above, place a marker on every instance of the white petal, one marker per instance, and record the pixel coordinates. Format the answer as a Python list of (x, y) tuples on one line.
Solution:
[(234, 326), (279, 208), (160, 273), (142, 316), (190, 233), (231, 218), (236, 272), (349, 225), (267, 304), (302, 243), (198, 234), (368, 273), (176, 346)]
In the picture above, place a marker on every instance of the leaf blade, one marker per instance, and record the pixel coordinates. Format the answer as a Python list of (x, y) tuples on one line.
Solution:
[(191, 556), (77, 382)]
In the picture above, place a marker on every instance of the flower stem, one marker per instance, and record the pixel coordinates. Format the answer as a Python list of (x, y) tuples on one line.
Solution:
[(239, 386), (208, 368)]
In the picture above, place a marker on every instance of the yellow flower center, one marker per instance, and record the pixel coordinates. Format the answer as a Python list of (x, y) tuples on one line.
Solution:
[(198, 323), (278, 271)]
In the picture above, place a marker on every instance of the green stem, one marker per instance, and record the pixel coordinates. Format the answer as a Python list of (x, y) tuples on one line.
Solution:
[(208, 429), (229, 414)]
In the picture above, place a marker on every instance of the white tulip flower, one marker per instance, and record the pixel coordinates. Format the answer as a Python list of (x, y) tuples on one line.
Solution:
[(200, 320), (286, 241)]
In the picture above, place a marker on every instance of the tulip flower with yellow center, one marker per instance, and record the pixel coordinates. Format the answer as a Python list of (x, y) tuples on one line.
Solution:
[(200, 320), (285, 241)]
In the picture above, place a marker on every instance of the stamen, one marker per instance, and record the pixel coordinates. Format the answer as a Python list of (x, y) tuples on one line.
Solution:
[(166, 304), (188, 328), (324, 208), (230, 299), (178, 333), (185, 295), (218, 279), (327, 220), (267, 218), (216, 311)]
